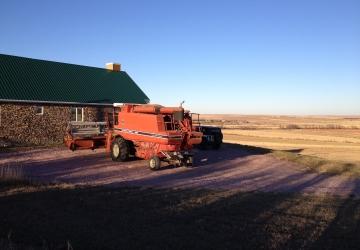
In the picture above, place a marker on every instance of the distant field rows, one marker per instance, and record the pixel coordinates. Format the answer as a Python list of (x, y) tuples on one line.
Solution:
[(329, 137), (275, 122), (340, 146), (290, 145), (347, 136)]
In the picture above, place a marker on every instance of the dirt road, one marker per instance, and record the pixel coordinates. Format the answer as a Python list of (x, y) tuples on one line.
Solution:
[(231, 167)]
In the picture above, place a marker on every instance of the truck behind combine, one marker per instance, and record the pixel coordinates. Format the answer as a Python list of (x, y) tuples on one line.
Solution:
[(212, 136), (150, 132)]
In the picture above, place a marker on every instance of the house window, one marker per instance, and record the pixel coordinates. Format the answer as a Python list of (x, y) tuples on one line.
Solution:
[(77, 114), (39, 110)]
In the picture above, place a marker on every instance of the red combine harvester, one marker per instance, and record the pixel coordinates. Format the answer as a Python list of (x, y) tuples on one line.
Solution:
[(150, 132)]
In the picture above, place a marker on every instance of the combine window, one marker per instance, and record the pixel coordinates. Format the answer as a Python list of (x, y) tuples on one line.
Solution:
[(77, 114), (169, 123), (116, 118)]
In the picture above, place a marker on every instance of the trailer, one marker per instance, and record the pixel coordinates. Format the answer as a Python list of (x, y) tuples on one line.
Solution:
[(85, 135)]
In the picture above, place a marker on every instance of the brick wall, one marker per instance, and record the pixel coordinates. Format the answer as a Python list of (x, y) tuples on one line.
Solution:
[(20, 125)]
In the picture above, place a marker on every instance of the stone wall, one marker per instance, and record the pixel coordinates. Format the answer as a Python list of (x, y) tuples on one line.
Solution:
[(20, 125)]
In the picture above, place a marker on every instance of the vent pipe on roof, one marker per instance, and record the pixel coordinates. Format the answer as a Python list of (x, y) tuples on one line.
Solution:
[(113, 66)]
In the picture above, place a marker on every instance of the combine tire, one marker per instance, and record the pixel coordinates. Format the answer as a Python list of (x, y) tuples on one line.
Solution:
[(154, 163), (119, 150)]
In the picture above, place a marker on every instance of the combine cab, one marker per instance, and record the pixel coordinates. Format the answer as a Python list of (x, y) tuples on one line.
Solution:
[(151, 132)]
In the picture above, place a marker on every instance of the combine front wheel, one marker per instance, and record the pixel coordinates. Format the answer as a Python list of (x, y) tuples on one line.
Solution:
[(119, 150), (154, 163)]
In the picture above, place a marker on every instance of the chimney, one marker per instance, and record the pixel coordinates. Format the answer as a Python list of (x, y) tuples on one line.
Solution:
[(113, 66)]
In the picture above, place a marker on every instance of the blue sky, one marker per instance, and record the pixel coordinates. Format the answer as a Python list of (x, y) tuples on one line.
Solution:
[(245, 57)]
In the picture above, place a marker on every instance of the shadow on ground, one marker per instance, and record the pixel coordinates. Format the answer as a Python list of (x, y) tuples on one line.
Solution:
[(138, 218), (233, 167), (229, 215)]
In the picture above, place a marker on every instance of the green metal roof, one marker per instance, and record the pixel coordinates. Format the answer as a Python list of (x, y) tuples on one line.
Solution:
[(33, 80)]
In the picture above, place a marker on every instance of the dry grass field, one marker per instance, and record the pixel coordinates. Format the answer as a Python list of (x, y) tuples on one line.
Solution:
[(331, 141), (276, 122), (69, 217)]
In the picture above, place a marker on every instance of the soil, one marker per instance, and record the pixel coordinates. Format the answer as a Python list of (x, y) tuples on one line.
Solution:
[(229, 168)]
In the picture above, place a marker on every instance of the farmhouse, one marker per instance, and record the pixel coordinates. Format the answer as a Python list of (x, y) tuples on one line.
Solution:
[(39, 98)]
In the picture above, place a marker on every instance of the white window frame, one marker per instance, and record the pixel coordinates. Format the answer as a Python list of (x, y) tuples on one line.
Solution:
[(76, 114), (42, 110)]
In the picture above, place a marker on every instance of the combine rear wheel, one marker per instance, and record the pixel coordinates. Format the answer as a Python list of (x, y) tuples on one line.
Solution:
[(119, 150), (154, 163)]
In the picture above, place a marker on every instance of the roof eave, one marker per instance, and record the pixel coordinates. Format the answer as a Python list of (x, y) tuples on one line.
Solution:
[(56, 102)]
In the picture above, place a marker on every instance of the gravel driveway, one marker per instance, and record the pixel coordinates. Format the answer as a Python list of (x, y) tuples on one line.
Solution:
[(231, 167)]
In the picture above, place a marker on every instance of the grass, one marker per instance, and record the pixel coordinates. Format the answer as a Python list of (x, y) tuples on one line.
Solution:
[(349, 136), (311, 163), (320, 165), (325, 144), (134, 218), (321, 153), (282, 122), (335, 139)]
